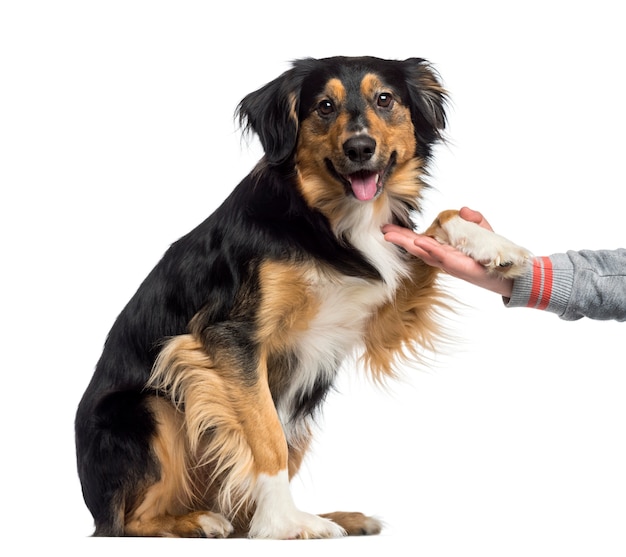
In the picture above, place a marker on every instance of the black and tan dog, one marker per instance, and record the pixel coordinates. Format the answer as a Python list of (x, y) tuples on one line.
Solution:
[(200, 409)]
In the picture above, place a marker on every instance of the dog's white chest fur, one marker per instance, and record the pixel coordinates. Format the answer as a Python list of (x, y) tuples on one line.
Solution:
[(344, 306), (334, 333)]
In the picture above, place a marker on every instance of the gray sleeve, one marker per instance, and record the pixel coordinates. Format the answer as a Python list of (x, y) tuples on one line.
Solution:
[(575, 284)]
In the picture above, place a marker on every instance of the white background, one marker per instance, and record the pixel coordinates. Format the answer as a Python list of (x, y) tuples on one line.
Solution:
[(117, 137)]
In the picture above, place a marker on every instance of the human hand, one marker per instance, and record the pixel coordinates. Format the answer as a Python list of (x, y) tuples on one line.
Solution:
[(448, 258)]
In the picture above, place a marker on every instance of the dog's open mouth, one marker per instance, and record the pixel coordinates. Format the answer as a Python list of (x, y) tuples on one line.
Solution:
[(364, 184)]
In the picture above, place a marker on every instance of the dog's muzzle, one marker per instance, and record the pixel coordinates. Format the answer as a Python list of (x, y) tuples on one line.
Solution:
[(359, 171)]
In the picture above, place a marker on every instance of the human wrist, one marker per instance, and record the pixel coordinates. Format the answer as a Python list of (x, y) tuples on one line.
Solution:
[(504, 287), (498, 284)]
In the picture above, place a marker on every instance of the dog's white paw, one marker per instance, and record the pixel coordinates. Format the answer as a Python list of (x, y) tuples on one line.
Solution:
[(277, 517), (297, 525), (495, 252)]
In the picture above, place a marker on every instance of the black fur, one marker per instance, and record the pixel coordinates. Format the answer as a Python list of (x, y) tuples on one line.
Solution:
[(203, 274)]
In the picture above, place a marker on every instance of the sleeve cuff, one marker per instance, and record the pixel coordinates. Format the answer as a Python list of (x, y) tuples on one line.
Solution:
[(547, 285)]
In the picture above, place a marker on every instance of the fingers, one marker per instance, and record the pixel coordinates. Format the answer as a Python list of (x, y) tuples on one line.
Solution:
[(426, 248), (399, 235), (474, 216), (430, 250)]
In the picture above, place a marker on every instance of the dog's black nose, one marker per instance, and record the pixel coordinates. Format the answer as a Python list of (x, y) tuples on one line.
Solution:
[(359, 148)]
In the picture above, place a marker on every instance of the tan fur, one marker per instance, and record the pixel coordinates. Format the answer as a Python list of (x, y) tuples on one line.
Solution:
[(315, 144), (402, 324), (435, 228), (335, 90), (189, 525), (164, 507), (213, 402), (355, 524), (293, 112), (315, 188), (396, 134), (298, 451), (287, 304)]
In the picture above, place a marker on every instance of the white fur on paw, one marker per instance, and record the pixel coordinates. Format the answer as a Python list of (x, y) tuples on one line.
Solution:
[(493, 251), (297, 526), (215, 525), (277, 517)]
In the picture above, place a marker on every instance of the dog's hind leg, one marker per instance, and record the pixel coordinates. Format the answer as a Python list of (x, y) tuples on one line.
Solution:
[(164, 508), (356, 524), (113, 433)]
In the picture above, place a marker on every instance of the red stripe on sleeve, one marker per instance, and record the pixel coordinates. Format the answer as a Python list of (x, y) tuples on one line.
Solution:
[(535, 289), (547, 283)]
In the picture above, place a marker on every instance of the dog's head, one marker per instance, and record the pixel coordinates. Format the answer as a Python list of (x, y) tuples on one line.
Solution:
[(355, 128)]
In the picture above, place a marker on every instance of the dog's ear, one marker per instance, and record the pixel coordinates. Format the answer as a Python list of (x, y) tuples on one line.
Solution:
[(428, 100), (272, 113)]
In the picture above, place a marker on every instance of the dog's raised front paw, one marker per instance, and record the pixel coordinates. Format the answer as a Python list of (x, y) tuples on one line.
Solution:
[(495, 252)]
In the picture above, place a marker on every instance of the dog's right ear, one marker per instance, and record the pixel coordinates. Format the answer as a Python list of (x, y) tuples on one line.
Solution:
[(272, 113), (428, 100)]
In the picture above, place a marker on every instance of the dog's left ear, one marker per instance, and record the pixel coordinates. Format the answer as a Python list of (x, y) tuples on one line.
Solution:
[(272, 113), (428, 101)]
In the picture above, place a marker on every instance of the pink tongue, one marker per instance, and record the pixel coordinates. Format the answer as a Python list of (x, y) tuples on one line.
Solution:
[(364, 185)]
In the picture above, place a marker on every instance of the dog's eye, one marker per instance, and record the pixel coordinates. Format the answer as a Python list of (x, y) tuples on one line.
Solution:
[(326, 107), (385, 100)]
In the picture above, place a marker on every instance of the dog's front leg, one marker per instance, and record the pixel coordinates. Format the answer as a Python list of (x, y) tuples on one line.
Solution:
[(276, 515)]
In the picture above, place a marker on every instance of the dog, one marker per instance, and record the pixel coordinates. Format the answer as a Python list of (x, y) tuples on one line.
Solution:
[(201, 407)]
